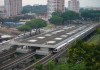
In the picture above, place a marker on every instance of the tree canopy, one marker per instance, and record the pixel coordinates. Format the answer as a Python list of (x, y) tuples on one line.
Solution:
[(64, 66), (39, 23), (38, 9), (70, 15), (91, 15), (24, 28), (57, 14), (84, 52), (33, 24), (56, 20)]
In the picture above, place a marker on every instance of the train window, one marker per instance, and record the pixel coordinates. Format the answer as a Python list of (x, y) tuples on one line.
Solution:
[(55, 49)]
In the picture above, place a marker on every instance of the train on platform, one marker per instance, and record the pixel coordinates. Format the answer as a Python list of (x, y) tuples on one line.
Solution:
[(80, 35)]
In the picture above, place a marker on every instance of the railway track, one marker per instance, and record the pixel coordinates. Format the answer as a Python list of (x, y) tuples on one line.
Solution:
[(16, 61), (46, 59), (31, 67), (81, 34), (8, 53), (54, 56)]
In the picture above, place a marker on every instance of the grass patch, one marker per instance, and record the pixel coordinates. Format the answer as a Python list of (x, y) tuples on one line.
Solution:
[(95, 39), (49, 26)]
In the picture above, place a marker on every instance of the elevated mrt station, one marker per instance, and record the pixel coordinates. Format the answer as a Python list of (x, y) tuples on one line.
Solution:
[(55, 40)]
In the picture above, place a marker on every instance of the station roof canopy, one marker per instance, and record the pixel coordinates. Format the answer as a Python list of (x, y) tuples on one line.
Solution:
[(53, 38)]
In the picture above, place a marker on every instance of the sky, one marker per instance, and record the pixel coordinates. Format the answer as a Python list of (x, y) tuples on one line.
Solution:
[(83, 3)]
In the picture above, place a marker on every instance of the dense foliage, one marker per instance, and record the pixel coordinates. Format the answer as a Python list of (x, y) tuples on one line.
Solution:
[(56, 20), (38, 9), (81, 56), (59, 18), (70, 15), (24, 28), (36, 24), (73, 17), (64, 66), (83, 52), (90, 15)]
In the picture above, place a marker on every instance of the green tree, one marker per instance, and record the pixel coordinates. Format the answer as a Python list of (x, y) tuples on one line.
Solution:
[(69, 66), (84, 52), (38, 9), (26, 9), (51, 65), (98, 30), (70, 15), (56, 20), (24, 29), (57, 14), (39, 67), (37, 24), (16, 19), (93, 15)]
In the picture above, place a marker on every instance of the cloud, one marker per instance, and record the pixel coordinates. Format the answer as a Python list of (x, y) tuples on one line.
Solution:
[(32, 2), (82, 2)]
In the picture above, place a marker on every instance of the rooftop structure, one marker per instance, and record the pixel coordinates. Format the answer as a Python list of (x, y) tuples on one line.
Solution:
[(51, 39)]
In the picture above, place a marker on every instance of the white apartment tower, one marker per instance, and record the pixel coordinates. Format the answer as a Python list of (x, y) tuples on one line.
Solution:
[(13, 7), (54, 6), (74, 5)]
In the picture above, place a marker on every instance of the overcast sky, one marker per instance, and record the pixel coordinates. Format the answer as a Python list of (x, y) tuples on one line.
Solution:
[(83, 3)]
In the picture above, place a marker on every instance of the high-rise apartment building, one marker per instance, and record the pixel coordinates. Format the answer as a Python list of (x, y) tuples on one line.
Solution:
[(54, 6), (2, 12), (74, 5), (13, 7)]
